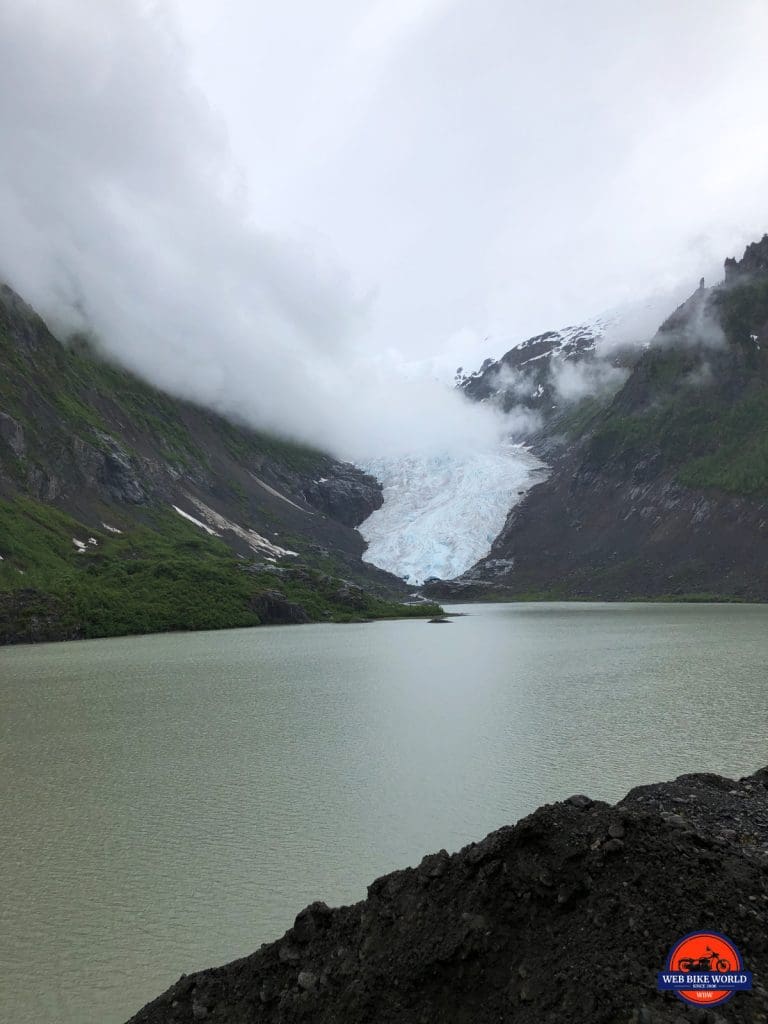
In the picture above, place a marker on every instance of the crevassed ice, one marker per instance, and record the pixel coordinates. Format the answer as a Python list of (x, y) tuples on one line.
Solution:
[(441, 513)]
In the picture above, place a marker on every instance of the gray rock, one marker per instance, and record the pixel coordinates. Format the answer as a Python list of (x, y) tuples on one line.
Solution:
[(288, 953), (12, 433), (475, 922), (579, 800), (274, 608), (435, 865), (675, 821), (613, 846), (307, 980), (310, 922)]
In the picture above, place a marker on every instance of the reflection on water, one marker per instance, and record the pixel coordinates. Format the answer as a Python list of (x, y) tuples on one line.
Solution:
[(170, 802)]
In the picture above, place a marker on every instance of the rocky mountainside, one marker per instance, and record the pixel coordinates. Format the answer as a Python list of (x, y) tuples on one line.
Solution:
[(123, 509), (565, 917), (663, 490)]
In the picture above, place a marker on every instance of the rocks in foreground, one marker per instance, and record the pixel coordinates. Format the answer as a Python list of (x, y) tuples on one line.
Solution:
[(565, 917)]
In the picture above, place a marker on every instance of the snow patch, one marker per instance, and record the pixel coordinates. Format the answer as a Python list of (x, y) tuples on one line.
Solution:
[(442, 513), (80, 545), (112, 529), (192, 519), (254, 540)]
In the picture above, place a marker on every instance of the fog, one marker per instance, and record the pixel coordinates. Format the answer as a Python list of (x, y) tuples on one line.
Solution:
[(308, 217)]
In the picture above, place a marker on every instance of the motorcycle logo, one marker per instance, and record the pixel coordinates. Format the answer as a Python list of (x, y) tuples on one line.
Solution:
[(704, 969)]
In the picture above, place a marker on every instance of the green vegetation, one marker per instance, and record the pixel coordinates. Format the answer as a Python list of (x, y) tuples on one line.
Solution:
[(742, 308), (739, 463), (577, 419), (159, 576), (707, 414), (708, 443)]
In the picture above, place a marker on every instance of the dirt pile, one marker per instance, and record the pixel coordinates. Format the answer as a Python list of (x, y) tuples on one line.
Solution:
[(564, 917)]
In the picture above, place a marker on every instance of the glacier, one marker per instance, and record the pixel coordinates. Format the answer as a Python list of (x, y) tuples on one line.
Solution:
[(441, 513)]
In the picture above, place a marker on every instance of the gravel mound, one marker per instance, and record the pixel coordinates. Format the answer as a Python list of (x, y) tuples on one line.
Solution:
[(564, 917)]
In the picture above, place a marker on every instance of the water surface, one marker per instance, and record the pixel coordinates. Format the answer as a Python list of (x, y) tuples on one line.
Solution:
[(170, 802)]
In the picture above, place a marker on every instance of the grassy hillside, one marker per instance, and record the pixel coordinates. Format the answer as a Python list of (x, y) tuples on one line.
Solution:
[(152, 578)]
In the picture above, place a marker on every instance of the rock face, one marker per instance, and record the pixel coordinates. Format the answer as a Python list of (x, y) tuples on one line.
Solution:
[(665, 491), (349, 496), (12, 434), (754, 261), (564, 918), (274, 609)]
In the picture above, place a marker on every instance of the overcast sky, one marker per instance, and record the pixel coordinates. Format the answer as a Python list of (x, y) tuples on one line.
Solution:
[(257, 202)]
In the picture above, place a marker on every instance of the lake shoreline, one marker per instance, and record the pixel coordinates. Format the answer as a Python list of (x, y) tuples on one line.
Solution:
[(416, 611)]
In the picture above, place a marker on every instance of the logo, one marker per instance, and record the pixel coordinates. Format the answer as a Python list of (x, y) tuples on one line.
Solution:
[(704, 969)]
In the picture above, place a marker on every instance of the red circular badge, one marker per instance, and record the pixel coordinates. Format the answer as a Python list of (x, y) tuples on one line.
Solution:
[(704, 955)]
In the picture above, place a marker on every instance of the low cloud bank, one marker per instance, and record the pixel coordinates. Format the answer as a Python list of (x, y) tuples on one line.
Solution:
[(574, 381), (120, 214)]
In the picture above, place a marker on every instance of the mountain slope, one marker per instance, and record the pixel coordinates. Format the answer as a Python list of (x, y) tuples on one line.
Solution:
[(665, 491), (123, 509)]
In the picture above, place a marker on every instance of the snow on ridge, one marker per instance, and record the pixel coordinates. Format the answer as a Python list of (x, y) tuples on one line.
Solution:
[(442, 513)]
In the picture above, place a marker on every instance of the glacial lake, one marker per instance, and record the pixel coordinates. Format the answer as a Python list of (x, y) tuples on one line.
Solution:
[(170, 802)]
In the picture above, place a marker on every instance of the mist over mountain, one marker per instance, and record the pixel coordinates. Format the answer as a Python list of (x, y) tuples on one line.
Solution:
[(128, 222), (207, 243)]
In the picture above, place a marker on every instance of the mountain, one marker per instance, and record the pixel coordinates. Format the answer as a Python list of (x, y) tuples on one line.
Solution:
[(541, 379), (442, 512), (523, 375), (662, 490), (125, 510)]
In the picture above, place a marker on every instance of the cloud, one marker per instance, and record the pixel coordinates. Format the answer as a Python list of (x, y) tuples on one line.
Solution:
[(498, 167), (299, 215), (117, 189), (574, 381)]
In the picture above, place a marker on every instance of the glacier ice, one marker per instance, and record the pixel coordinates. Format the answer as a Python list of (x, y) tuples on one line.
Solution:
[(441, 513)]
